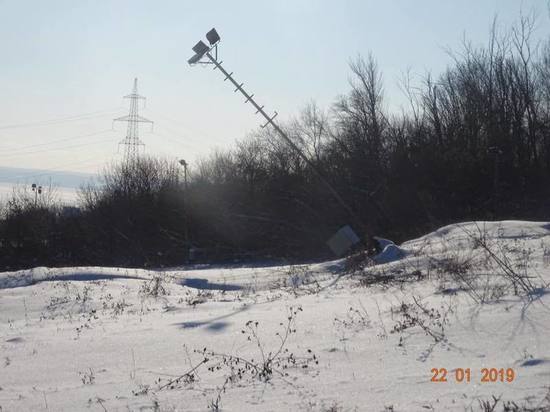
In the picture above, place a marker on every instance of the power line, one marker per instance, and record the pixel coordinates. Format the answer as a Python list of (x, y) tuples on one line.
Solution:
[(84, 116), (175, 140), (56, 141), (57, 148), (189, 135)]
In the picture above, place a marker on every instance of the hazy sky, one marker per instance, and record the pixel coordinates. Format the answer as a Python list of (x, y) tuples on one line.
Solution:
[(76, 59)]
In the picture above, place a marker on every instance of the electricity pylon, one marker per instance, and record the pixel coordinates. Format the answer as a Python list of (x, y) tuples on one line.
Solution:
[(132, 142)]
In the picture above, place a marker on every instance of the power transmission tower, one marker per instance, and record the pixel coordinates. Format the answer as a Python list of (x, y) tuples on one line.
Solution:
[(132, 142)]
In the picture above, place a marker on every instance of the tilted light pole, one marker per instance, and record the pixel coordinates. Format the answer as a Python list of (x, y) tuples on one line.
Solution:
[(209, 55)]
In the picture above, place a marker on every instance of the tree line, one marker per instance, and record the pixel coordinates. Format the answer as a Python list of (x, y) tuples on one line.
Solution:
[(473, 143)]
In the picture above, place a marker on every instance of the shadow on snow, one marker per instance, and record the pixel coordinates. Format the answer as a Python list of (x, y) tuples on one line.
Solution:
[(213, 325), (198, 283)]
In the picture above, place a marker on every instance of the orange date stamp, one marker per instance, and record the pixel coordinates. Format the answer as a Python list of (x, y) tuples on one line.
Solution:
[(466, 375)]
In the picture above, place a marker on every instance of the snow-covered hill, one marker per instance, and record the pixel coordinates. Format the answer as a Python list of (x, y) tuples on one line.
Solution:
[(310, 337)]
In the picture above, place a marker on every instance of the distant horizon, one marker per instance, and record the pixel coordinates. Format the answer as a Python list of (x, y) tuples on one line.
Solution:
[(64, 183)]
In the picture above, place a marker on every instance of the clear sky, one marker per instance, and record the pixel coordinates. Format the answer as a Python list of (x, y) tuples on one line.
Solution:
[(75, 59)]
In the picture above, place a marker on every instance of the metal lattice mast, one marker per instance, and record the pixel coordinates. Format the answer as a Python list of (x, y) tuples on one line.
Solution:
[(132, 142)]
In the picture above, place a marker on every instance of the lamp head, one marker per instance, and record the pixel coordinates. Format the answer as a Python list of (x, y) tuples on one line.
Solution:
[(201, 48), (213, 37)]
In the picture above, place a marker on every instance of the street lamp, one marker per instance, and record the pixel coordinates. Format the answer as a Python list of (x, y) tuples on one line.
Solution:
[(37, 191), (186, 220), (184, 164)]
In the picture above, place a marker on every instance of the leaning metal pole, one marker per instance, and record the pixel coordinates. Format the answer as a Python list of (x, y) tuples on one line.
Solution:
[(270, 121)]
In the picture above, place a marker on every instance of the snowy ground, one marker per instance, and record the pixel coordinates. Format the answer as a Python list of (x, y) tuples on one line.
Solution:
[(118, 339)]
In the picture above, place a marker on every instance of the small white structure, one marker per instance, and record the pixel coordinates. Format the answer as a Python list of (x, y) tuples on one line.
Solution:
[(342, 240)]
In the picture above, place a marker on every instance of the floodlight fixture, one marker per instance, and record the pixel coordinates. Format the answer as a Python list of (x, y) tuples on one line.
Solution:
[(213, 37), (200, 48)]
